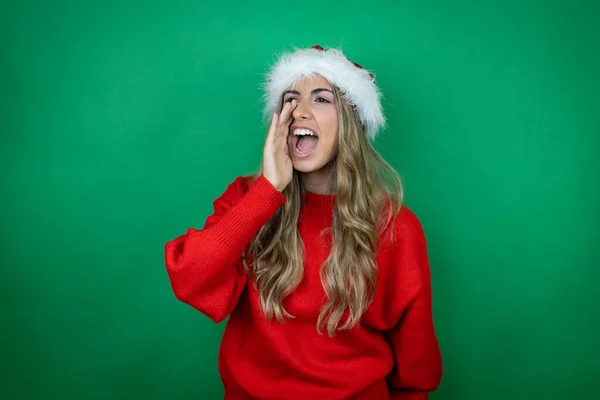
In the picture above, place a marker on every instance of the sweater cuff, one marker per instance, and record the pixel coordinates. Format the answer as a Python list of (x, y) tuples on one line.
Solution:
[(243, 221)]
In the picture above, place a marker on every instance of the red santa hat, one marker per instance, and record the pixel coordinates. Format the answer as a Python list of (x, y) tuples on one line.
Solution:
[(356, 84)]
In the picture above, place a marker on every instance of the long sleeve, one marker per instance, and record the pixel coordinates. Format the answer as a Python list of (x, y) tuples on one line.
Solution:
[(418, 362), (205, 266)]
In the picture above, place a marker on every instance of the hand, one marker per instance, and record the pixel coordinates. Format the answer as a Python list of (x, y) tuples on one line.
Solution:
[(277, 163)]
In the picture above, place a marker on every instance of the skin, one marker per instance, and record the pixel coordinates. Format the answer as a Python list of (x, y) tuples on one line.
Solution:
[(313, 107), (309, 104)]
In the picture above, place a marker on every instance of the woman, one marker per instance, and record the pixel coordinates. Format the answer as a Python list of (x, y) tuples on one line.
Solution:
[(322, 272)]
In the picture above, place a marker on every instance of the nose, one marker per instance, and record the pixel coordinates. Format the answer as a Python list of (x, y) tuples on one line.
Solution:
[(301, 111)]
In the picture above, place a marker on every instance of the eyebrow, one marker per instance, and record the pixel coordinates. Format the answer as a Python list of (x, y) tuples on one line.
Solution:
[(314, 91)]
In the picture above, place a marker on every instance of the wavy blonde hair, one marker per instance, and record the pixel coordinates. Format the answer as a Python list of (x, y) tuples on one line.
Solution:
[(369, 196)]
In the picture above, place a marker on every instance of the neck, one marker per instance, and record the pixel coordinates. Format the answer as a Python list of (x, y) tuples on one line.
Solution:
[(318, 182)]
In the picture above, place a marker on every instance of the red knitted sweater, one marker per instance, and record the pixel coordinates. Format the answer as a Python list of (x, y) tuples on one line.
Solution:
[(392, 354)]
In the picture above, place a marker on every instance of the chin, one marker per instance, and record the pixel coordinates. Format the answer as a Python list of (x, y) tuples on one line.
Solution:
[(305, 166)]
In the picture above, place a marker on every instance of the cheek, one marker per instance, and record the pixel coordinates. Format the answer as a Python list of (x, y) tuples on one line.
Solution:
[(328, 121), (332, 131), (330, 138)]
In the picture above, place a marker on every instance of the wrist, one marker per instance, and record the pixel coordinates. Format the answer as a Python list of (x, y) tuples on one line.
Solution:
[(273, 184)]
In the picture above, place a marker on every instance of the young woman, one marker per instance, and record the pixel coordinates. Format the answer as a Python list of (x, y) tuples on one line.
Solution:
[(323, 273)]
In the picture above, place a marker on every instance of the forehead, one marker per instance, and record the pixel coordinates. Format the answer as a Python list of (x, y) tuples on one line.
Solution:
[(308, 83)]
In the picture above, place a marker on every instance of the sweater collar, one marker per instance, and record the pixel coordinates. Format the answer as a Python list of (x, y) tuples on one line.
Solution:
[(319, 203)]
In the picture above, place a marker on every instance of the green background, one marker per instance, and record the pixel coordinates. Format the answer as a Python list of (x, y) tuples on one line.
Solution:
[(122, 121)]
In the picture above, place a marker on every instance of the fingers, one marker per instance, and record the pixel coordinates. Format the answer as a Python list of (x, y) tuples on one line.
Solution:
[(286, 112), (272, 126), (274, 123), (280, 122)]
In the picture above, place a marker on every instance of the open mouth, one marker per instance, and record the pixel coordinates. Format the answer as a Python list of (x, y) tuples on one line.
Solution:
[(304, 142)]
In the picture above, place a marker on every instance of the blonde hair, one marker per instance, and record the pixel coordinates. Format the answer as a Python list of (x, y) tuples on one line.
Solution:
[(368, 198)]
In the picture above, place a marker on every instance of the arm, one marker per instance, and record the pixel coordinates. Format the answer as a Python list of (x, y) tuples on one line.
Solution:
[(204, 266), (418, 362)]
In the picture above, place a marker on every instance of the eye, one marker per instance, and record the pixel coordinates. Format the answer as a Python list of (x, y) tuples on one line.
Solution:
[(289, 99), (322, 100)]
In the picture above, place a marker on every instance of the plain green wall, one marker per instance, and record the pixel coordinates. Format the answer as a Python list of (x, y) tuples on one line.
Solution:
[(122, 121)]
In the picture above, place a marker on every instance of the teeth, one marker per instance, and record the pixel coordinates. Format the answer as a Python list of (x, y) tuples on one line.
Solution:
[(303, 132)]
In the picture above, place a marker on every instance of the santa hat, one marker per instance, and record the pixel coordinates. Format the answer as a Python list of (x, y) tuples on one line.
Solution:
[(356, 84)]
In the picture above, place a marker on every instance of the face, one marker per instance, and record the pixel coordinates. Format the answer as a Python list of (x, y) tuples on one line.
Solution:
[(314, 128)]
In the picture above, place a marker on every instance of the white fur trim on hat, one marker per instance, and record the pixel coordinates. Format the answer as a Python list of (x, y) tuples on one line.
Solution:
[(356, 84)]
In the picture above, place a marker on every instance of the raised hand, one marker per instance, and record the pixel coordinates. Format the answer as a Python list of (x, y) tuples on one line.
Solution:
[(277, 163)]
